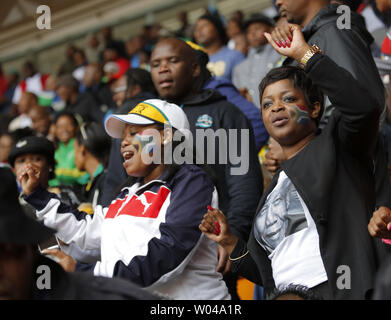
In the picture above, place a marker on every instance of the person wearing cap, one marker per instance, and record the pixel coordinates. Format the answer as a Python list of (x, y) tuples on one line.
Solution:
[(149, 234), (22, 267), (210, 33), (38, 152), (260, 59)]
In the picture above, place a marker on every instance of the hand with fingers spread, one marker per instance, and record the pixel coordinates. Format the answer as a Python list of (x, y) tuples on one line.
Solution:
[(65, 261), (380, 224), (215, 227), (288, 40), (29, 178)]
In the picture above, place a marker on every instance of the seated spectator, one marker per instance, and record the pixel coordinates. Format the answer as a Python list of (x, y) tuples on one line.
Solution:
[(164, 253), (81, 104), (26, 102), (210, 33), (260, 60), (20, 262), (66, 172)]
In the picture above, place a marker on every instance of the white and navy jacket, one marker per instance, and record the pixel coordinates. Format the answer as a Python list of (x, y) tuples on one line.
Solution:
[(148, 235)]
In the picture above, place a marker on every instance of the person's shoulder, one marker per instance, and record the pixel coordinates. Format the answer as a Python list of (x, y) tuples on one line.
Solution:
[(187, 172)]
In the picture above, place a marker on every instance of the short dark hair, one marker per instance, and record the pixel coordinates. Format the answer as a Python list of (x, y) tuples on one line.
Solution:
[(299, 80), (68, 114), (141, 77), (94, 137)]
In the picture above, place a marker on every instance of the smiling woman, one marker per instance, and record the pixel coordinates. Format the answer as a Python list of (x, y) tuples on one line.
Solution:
[(149, 234)]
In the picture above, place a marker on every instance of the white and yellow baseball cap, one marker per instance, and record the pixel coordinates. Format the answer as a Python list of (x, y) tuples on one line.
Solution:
[(146, 113)]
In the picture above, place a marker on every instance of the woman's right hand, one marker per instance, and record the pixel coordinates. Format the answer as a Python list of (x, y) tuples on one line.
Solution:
[(29, 178), (215, 227)]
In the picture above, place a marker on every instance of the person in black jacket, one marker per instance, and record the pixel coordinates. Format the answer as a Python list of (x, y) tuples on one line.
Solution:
[(351, 50), (26, 274), (311, 223)]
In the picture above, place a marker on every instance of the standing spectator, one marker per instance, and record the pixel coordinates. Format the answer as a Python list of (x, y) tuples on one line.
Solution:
[(350, 50), (261, 58), (316, 210), (81, 104), (149, 234), (210, 33)]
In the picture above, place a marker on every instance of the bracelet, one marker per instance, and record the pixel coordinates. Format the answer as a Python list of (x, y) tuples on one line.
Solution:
[(308, 55), (234, 259)]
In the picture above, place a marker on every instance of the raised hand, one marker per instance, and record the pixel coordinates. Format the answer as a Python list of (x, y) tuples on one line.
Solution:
[(29, 177), (215, 227), (288, 40), (380, 224)]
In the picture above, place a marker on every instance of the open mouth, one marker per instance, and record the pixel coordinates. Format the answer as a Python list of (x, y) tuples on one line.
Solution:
[(279, 121), (128, 155), (165, 83)]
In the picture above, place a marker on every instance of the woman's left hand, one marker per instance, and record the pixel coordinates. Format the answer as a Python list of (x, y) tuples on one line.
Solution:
[(288, 40), (66, 262)]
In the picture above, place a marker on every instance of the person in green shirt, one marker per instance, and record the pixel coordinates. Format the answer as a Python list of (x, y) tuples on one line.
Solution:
[(66, 171)]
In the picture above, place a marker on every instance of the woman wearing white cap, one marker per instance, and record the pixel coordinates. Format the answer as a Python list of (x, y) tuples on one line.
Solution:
[(149, 234)]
